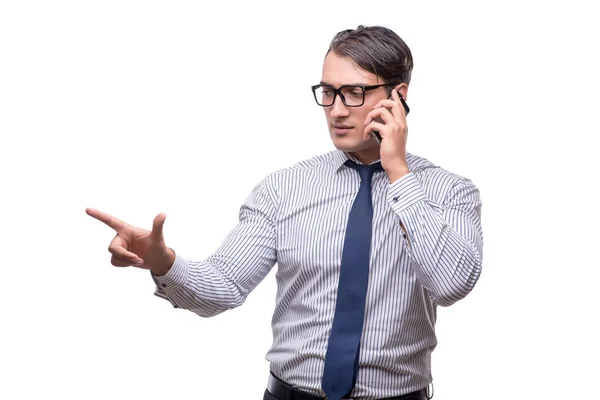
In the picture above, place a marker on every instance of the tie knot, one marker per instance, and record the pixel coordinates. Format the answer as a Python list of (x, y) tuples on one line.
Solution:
[(365, 171)]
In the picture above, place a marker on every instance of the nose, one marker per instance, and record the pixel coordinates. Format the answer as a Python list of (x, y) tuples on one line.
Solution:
[(338, 108)]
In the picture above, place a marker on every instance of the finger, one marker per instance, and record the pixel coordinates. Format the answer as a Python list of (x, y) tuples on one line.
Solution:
[(374, 126), (109, 220), (394, 105), (116, 249), (157, 227), (389, 103), (398, 111), (382, 113), (120, 262)]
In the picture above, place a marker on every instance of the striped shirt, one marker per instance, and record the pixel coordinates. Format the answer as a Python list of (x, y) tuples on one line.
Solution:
[(296, 218)]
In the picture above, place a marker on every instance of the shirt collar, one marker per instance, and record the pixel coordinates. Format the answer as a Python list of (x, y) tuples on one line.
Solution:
[(339, 157)]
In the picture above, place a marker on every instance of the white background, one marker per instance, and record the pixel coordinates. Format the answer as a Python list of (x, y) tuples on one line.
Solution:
[(122, 106)]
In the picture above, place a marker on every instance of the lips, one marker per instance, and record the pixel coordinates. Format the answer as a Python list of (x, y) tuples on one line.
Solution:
[(341, 130)]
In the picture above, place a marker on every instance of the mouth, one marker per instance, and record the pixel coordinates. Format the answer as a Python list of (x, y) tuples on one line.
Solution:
[(341, 129)]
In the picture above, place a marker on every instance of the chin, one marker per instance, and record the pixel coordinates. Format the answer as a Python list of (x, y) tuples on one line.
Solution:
[(351, 144)]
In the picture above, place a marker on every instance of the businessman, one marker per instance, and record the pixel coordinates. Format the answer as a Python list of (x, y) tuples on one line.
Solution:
[(368, 240)]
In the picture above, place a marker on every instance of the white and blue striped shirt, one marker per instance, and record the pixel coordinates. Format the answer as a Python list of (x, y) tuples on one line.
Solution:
[(296, 218)]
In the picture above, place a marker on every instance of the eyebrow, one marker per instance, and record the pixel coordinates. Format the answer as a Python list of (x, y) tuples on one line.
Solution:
[(346, 84)]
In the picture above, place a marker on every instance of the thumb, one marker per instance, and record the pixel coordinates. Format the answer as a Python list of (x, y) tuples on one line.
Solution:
[(157, 227)]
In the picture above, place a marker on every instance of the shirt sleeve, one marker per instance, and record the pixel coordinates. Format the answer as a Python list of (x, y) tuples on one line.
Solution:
[(224, 280), (444, 240)]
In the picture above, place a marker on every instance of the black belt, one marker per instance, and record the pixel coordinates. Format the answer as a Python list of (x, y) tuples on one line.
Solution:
[(283, 391)]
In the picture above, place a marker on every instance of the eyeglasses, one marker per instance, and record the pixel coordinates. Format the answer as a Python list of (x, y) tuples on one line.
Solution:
[(352, 95)]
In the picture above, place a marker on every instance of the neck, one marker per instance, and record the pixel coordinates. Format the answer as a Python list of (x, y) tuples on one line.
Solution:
[(366, 156)]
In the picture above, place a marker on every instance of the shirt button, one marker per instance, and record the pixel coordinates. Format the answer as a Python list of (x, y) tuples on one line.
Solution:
[(395, 199), (164, 285)]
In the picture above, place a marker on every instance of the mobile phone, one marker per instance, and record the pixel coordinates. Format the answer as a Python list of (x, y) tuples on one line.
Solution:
[(376, 134)]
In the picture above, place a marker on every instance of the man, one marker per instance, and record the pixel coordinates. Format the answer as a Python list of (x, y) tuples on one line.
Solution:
[(368, 240)]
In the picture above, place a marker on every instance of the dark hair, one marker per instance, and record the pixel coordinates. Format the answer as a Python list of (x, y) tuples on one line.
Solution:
[(377, 50)]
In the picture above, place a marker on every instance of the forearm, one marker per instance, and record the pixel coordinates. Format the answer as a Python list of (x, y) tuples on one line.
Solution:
[(201, 287), (444, 241), (224, 280)]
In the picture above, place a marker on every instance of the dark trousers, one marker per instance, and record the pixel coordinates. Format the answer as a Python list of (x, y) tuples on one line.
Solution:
[(282, 389), (269, 396)]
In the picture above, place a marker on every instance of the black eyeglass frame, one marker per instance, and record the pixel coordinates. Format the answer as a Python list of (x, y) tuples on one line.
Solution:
[(338, 91)]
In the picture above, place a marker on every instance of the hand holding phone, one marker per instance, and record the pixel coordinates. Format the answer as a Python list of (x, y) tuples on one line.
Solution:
[(376, 134)]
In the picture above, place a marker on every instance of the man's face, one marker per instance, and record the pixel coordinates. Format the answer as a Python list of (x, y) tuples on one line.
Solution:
[(346, 124)]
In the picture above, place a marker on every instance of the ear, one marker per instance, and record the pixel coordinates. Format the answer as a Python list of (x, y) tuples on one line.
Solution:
[(402, 89)]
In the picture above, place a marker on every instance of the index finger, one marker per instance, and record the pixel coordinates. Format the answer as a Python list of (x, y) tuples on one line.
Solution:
[(381, 112), (390, 104), (109, 220)]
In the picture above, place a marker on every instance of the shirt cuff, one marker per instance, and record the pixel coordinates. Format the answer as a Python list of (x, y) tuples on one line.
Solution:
[(175, 278), (405, 192)]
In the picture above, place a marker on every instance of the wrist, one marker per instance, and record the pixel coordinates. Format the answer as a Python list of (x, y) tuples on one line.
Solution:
[(397, 173), (163, 267)]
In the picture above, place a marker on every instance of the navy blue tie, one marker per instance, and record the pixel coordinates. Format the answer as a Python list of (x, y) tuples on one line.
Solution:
[(341, 360)]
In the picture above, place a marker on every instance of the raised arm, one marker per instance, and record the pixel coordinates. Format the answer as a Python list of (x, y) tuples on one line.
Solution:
[(445, 240), (209, 287), (224, 280)]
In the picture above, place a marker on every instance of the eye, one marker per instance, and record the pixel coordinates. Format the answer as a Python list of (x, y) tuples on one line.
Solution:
[(353, 91), (326, 91)]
